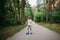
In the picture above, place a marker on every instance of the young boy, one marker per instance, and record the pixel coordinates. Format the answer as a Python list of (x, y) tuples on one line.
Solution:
[(29, 28)]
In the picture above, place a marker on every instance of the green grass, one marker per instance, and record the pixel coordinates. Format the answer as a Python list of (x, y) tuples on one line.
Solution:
[(55, 27), (10, 31)]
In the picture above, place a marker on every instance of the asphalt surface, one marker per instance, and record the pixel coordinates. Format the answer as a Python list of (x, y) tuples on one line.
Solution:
[(38, 33)]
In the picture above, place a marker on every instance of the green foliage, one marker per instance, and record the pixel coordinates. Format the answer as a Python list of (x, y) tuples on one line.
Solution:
[(55, 15), (39, 17), (2, 11), (28, 12), (10, 31), (7, 16)]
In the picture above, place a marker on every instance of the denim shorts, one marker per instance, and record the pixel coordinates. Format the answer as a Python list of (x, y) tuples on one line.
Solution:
[(29, 26)]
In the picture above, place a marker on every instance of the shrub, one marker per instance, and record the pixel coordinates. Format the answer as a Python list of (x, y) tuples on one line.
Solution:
[(39, 17)]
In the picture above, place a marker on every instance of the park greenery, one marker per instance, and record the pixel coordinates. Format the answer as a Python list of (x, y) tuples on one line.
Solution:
[(14, 13), (47, 16)]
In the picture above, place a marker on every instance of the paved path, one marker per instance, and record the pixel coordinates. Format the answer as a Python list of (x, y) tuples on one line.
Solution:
[(38, 33)]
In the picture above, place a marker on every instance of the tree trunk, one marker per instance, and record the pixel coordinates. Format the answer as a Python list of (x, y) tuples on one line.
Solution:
[(18, 8), (48, 11), (22, 16), (3, 11), (14, 10), (53, 4)]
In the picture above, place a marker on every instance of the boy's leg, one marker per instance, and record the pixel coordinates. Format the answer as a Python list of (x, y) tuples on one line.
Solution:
[(28, 29)]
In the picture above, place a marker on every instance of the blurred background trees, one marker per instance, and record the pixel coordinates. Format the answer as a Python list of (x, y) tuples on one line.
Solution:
[(14, 12), (48, 12)]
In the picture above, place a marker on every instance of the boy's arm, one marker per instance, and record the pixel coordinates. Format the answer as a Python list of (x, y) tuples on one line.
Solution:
[(27, 22)]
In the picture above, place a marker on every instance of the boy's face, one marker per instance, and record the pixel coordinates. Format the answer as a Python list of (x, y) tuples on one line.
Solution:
[(28, 17)]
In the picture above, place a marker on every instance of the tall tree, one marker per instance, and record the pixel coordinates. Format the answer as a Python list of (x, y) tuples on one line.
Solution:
[(30, 9), (14, 10), (52, 2), (18, 8), (2, 12), (23, 6), (38, 5), (48, 11)]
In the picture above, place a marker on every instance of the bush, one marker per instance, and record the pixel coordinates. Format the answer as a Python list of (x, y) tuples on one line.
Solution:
[(39, 17), (54, 16)]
